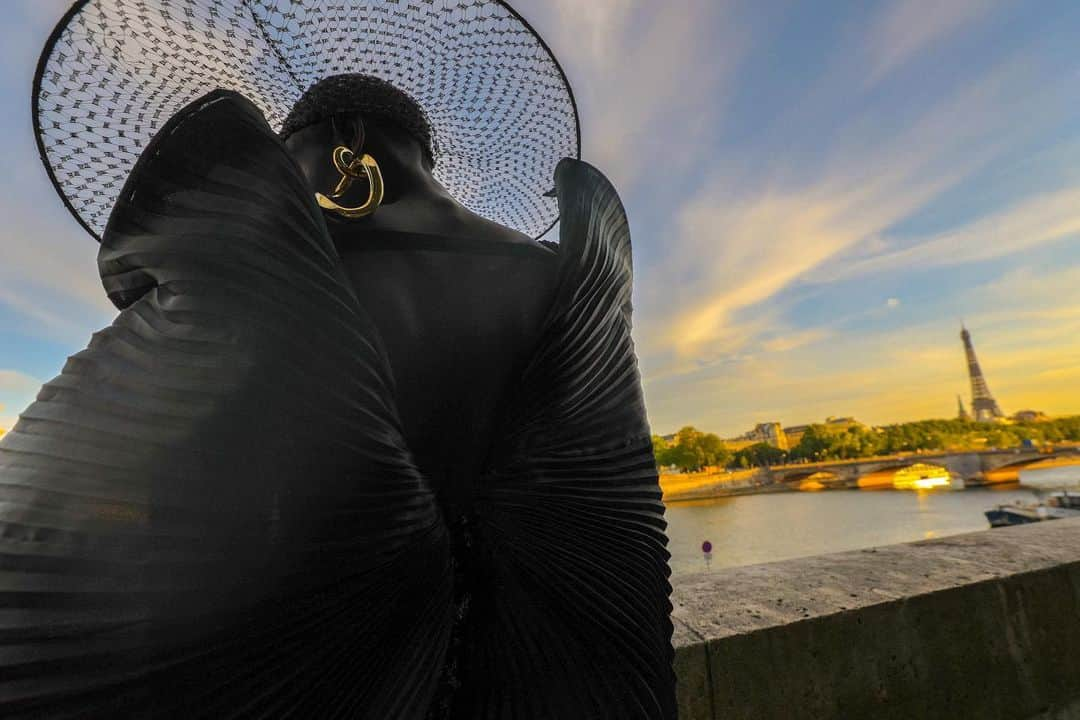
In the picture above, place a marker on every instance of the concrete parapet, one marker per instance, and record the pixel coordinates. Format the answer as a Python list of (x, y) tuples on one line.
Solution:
[(984, 625)]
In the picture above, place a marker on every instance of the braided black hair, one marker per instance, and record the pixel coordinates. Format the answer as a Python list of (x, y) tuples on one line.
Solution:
[(356, 92)]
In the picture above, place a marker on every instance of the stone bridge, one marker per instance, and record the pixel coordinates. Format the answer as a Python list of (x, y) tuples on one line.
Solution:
[(971, 467)]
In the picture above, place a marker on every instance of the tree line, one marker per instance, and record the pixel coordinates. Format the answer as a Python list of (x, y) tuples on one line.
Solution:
[(692, 450)]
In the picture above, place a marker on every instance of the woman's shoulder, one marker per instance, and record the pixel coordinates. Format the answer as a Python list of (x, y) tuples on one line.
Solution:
[(496, 234), (437, 224)]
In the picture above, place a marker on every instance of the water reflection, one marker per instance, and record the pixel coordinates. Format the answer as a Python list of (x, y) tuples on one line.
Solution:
[(1051, 478), (920, 476), (762, 528)]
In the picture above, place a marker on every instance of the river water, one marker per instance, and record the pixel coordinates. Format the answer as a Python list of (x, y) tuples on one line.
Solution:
[(754, 529)]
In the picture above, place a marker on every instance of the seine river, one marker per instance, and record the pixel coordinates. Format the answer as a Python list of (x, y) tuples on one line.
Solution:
[(752, 529)]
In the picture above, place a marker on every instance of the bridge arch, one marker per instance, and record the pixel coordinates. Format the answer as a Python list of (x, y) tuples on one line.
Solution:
[(1009, 470), (908, 474), (970, 466), (813, 479)]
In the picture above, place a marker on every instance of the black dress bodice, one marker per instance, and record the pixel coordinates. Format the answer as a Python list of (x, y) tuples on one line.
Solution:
[(459, 318), (244, 497)]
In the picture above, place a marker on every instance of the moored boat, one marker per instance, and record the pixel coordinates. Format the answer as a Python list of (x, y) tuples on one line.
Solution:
[(1056, 506)]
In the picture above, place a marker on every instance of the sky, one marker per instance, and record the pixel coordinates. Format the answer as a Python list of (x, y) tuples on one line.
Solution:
[(819, 194)]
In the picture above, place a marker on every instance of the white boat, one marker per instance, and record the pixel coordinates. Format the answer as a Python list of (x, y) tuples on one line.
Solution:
[(1055, 506)]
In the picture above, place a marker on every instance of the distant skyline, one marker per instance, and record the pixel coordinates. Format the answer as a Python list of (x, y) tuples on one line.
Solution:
[(818, 193)]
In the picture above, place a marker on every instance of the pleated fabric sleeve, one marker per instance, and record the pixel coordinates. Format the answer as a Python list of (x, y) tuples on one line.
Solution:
[(211, 511), (574, 618)]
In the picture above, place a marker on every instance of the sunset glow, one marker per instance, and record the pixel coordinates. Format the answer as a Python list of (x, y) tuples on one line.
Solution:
[(817, 199)]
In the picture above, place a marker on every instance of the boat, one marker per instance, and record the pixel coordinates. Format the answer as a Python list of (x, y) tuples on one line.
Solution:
[(1056, 506)]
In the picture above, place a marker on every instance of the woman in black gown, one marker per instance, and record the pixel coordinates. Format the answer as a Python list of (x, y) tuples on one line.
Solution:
[(388, 466)]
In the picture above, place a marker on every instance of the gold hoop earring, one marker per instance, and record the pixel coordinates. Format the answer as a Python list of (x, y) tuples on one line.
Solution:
[(353, 168)]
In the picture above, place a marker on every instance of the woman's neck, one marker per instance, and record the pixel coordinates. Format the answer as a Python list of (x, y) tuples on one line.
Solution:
[(414, 201)]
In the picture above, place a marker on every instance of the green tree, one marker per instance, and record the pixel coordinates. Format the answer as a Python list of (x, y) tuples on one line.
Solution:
[(814, 445), (714, 451), (661, 451), (691, 450), (759, 455)]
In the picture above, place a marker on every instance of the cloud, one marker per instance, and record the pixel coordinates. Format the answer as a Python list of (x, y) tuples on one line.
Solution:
[(741, 254), (888, 374), (841, 377), (17, 390), (642, 71), (1044, 218), (745, 237), (796, 339), (774, 170), (1030, 350), (748, 243), (906, 29), (732, 256), (1049, 289), (15, 381), (48, 276), (597, 27)]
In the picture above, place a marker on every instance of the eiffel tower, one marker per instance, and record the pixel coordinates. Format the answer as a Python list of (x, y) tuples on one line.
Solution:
[(983, 405), (962, 413)]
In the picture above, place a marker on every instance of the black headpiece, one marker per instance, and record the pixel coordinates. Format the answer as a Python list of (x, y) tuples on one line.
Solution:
[(470, 76), (374, 97)]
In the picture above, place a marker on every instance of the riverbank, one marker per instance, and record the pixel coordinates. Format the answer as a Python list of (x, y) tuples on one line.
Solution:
[(684, 487)]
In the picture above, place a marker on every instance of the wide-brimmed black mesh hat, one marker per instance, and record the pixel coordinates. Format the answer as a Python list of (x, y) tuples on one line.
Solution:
[(500, 110)]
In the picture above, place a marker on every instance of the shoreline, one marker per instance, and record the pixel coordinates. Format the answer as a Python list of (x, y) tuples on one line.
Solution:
[(717, 493), (689, 487), (714, 490)]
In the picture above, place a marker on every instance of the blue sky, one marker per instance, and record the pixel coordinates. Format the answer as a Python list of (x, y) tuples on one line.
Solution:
[(819, 192)]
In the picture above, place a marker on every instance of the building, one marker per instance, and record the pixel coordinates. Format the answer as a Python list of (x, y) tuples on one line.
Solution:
[(769, 432), (794, 434), (1030, 416), (962, 413), (983, 404)]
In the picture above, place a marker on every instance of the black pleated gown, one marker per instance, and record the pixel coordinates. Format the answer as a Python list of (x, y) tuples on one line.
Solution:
[(227, 505)]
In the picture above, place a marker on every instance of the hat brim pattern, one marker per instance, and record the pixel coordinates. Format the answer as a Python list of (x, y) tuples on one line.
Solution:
[(114, 71)]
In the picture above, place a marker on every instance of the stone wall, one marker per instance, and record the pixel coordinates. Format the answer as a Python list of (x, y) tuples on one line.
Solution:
[(983, 626)]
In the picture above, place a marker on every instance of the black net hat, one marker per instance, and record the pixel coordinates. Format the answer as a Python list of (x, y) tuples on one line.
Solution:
[(500, 110)]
